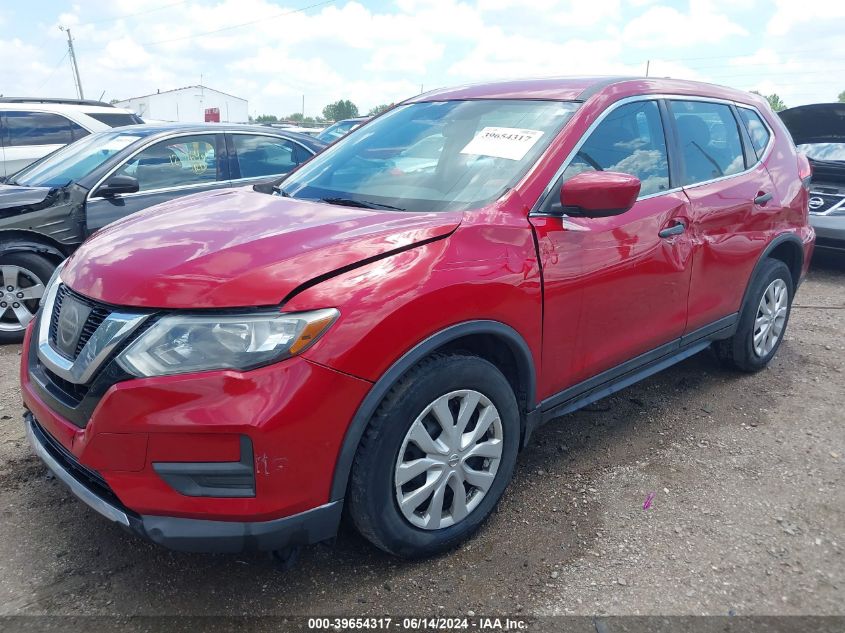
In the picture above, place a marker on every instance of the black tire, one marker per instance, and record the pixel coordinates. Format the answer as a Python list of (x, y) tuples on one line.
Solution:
[(42, 268), (371, 499), (738, 352)]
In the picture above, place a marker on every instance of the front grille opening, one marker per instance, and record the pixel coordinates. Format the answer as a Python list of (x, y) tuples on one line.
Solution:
[(98, 314), (73, 392)]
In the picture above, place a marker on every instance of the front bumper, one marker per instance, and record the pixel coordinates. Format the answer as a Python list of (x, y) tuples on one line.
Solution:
[(190, 535)]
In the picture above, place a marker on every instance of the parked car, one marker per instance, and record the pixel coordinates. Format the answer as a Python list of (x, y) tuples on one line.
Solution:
[(341, 129), (230, 370), (50, 207), (32, 128), (819, 132)]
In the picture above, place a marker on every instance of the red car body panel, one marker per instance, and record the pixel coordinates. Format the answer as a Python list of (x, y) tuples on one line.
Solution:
[(585, 295), (212, 251)]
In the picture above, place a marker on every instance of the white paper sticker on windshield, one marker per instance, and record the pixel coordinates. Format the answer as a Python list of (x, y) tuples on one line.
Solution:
[(502, 142), (118, 143)]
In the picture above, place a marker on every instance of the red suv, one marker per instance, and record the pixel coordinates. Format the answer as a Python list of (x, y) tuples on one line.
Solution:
[(383, 330)]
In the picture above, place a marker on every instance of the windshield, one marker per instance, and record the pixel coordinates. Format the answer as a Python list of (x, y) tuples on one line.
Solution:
[(824, 151), (73, 161), (433, 156)]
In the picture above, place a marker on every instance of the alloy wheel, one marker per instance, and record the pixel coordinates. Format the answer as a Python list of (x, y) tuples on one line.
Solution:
[(448, 459), (19, 297), (771, 317)]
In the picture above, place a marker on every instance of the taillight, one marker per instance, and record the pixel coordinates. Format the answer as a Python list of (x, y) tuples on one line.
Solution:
[(805, 170)]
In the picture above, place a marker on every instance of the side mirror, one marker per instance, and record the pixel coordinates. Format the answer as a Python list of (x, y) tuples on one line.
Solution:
[(117, 185), (599, 194)]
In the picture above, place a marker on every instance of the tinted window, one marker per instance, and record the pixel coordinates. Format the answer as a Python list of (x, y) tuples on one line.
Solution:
[(264, 155), (115, 119), (185, 160), (41, 128), (709, 140), (629, 140), (757, 130)]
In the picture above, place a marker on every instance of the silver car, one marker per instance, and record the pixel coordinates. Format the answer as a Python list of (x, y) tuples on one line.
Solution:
[(819, 131)]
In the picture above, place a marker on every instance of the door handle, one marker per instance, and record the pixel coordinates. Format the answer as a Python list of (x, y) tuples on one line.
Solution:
[(762, 198), (676, 229)]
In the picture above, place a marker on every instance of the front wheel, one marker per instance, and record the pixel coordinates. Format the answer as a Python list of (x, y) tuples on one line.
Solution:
[(762, 323), (24, 276), (436, 457)]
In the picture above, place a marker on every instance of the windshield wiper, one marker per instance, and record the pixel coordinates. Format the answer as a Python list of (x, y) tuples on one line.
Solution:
[(363, 204)]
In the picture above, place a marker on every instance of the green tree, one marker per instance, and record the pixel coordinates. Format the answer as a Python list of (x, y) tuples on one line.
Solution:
[(842, 97), (343, 109), (774, 100), (266, 118), (379, 109), (296, 116)]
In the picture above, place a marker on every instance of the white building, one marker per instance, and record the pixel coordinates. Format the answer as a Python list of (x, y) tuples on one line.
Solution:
[(192, 104)]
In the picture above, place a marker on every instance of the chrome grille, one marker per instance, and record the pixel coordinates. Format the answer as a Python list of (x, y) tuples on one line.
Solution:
[(99, 313)]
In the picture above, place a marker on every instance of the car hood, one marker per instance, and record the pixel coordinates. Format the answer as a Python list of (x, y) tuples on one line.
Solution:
[(14, 196), (237, 248), (816, 123)]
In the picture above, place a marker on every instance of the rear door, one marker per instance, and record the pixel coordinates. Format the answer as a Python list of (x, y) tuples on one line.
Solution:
[(31, 134), (166, 169), (732, 207), (256, 157)]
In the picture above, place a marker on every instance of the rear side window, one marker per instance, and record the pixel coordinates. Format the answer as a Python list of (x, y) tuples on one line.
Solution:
[(757, 130), (265, 155), (115, 119), (629, 140), (177, 162), (709, 140), (40, 128)]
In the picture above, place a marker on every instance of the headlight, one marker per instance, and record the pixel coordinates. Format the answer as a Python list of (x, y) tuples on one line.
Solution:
[(186, 343), (54, 279)]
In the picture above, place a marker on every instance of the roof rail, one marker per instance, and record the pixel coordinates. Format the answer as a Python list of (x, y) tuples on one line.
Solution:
[(84, 102)]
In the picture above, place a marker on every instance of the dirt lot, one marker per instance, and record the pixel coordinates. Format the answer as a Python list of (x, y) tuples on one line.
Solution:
[(747, 516)]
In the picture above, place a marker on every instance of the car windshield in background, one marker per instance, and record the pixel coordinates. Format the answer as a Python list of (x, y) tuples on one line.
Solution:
[(824, 151), (433, 156), (116, 119), (74, 161)]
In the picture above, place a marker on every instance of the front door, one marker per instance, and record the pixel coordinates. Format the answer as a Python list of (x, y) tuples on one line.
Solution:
[(616, 287), (165, 170)]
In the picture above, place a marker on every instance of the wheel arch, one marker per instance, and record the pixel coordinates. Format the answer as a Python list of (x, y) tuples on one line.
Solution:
[(787, 248), (494, 341), (22, 241)]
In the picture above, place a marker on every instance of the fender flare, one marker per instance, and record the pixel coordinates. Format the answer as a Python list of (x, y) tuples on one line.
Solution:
[(17, 244), (365, 411), (777, 241)]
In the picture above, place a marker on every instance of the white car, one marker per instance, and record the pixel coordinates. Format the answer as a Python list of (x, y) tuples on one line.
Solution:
[(32, 128)]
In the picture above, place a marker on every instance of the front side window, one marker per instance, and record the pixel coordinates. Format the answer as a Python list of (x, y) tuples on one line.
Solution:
[(176, 162), (433, 156), (709, 140), (115, 119), (757, 130), (629, 140), (40, 128), (265, 155)]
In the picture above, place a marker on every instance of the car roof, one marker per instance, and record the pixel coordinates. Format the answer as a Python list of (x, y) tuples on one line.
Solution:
[(583, 88), (60, 105)]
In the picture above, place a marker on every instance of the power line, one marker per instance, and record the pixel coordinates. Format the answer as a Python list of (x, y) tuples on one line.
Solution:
[(53, 72), (228, 28), (130, 15)]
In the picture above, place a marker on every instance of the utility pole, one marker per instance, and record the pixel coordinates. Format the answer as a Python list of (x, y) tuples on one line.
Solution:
[(647, 63), (303, 106), (73, 63)]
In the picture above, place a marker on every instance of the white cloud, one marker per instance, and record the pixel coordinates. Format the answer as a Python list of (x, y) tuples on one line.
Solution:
[(666, 26), (791, 13)]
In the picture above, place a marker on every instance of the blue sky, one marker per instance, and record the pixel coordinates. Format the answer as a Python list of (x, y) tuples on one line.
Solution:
[(381, 51)]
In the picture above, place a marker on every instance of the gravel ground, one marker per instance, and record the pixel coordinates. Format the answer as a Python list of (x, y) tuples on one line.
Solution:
[(746, 514)]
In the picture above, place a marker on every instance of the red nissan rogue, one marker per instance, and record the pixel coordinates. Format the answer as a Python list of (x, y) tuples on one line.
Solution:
[(381, 332)]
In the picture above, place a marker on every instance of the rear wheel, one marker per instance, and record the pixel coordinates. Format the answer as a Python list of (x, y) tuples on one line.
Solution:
[(763, 321), (436, 457), (23, 276)]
